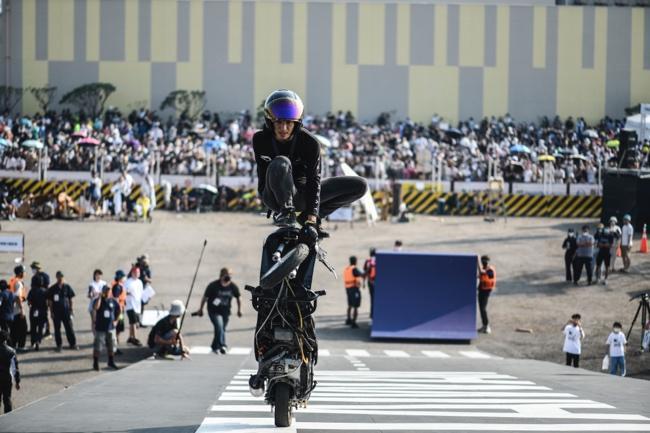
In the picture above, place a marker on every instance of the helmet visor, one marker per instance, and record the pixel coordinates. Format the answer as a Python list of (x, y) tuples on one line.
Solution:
[(285, 109)]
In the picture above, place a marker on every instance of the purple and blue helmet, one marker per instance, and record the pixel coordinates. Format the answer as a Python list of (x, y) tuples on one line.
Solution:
[(283, 105)]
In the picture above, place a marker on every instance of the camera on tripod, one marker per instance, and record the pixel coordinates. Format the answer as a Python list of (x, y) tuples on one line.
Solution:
[(644, 308)]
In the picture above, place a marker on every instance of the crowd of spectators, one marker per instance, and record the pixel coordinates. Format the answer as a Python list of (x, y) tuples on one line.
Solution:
[(386, 148)]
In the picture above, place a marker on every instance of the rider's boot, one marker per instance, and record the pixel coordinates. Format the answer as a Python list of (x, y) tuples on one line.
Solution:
[(286, 218)]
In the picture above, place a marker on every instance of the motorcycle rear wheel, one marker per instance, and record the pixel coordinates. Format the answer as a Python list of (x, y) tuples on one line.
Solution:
[(283, 267), (282, 405)]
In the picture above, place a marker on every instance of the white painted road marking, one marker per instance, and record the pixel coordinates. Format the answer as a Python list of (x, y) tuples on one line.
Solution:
[(397, 354), (262, 425), (239, 351), (430, 396), (474, 354), (435, 354), (359, 353)]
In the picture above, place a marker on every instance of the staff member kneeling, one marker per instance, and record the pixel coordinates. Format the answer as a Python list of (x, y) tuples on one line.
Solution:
[(165, 338)]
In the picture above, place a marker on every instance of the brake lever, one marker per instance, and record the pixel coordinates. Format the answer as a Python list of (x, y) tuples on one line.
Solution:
[(321, 254)]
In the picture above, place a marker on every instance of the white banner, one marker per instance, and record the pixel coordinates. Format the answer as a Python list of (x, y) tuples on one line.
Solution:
[(12, 242)]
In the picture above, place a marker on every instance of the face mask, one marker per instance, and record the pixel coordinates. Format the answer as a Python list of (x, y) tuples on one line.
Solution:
[(226, 279), (617, 330)]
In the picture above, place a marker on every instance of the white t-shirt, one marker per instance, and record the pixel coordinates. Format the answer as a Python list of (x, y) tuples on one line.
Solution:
[(617, 342), (134, 290), (572, 339), (627, 232), (94, 290)]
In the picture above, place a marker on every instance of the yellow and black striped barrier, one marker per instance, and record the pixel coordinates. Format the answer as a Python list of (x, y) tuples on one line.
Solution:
[(514, 205), (73, 188), (420, 202)]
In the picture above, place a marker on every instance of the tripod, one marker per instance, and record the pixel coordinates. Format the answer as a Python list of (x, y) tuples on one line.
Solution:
[(644, 309)]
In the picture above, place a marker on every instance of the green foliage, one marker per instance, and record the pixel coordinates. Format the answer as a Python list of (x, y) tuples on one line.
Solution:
[(187, 103), (10, 97), (44, 96), (90, 98)]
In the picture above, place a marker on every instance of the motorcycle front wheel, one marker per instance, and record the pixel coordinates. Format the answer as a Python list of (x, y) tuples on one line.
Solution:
[(282, 405), (283, 267)]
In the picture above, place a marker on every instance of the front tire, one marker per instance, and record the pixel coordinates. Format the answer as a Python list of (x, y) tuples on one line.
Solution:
[(283, 267), (282, 405)]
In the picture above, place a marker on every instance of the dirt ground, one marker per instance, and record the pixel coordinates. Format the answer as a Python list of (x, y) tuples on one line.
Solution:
[(527, 253)]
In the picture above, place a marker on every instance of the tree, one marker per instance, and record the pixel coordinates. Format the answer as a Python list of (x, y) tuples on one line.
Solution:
[(44, 96), (89, 97), (188, 103), (10, 97)]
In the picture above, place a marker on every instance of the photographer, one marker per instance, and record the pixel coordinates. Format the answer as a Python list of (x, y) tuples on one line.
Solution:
[(107, 311), (218, 296)]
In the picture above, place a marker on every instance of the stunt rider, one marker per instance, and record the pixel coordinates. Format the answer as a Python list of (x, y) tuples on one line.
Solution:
[(288, 169)]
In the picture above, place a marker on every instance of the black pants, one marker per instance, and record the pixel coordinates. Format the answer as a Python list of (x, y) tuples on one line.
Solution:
[(37, 325), (5, 325), (69, 331), (602, 257), (335, 192), (578, 263), (572, 359), (568, 265), (19, 331), (483, 297), (5, 393)]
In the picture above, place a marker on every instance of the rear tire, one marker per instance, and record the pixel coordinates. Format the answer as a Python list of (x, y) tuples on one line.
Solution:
[(283, 267), (282, 407)]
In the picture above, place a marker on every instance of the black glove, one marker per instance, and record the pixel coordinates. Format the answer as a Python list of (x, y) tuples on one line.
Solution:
[(308, 235)]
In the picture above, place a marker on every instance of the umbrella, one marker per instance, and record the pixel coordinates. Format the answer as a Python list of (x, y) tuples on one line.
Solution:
[(35, 144), (582, 157), (591, 133), (519, 148), (323, 140), (545, 158), (454, 133), (209, 188), (613, 144), (89, 141), (214, 144), (79, 134)]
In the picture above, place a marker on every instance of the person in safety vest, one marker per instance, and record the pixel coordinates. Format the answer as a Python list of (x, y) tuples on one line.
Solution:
[(370, 271), (19, 326), (487, 283), (353, 278)]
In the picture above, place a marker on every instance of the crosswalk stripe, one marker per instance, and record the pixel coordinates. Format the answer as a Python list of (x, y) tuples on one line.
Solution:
[(360, 353), (474, 354), (397, 354), (262, 425), (403, 374), (239, 351), (243, 380), (435, 354), (509, 405), (344, 388), (200, 350), (244, 396), (530, 412), (324, 352)]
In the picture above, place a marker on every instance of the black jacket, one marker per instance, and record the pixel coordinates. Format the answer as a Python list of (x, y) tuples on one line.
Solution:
[(8, 364), (303, 150)]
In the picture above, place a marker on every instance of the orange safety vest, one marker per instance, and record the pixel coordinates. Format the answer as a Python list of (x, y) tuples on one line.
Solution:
[(349, 279), (487, 283), (12, 288), (371, 269)]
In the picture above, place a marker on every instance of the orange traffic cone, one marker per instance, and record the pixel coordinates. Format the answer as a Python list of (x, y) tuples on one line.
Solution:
[(644, 242), (618, 251)]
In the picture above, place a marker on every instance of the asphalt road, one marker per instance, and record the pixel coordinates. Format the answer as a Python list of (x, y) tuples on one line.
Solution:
[(450, 388)]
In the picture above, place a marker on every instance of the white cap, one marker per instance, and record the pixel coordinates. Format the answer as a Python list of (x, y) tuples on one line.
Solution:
[(613, 220), (177, 308)]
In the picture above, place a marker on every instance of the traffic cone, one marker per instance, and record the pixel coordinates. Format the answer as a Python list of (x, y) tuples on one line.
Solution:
[(644, 242)]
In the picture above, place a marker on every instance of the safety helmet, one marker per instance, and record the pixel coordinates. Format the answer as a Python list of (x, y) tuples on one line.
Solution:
[(613, 220), (626, 217), (283, 104)]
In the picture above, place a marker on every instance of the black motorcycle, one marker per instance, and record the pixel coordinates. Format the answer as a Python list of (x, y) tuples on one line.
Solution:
[(285, 343)]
